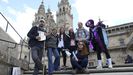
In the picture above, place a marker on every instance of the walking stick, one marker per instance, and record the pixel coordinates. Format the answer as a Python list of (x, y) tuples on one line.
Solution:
[(44, 64)]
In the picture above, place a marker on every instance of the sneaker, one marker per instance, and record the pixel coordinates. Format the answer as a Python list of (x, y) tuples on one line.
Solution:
[(99, 67), (110, 66), (63, 66), (83, 70), (74, 71), (58, 69)]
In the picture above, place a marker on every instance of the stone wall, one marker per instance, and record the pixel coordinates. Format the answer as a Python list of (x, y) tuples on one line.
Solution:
[(3, 69), (9, 54), (8, 47)]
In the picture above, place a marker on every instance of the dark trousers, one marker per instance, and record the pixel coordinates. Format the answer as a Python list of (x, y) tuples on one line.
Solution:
[(37, 54), (72, 49), (79, 64), (100, 50), (63, 55)]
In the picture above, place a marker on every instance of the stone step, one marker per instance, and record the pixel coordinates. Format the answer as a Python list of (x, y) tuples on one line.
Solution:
[(105, 66), (91, 71), (118, 73)]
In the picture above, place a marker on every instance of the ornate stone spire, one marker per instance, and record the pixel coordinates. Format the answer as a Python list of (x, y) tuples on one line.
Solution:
[(64, 1), (40, 14), (41, 9)]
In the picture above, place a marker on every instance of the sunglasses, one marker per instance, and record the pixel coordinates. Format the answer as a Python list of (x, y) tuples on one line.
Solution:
[(42, 21), (80, 44)]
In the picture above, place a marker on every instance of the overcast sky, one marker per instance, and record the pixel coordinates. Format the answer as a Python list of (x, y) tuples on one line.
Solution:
[(20, 13)]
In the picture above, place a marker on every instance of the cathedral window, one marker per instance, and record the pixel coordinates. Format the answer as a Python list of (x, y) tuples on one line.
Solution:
[(109, 31), (47, 16), (131, 26), (38, 18), (63, 9), (113, 30), (60, 9), (117, 29), (126, 27), (121, 40), (122, 28)]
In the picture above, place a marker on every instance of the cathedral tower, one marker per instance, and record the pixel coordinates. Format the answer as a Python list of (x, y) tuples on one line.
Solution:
[(64, 18), (40, 14)]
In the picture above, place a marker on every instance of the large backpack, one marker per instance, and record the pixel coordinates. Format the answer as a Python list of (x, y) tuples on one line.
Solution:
[(83, 31), (105, 36)]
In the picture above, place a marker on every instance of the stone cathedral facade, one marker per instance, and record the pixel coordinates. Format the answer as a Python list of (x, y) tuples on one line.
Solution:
[(64, 18)]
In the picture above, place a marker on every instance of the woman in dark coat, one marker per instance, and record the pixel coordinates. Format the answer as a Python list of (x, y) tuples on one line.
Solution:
[(63, 44), (72, 39), (73, 44)]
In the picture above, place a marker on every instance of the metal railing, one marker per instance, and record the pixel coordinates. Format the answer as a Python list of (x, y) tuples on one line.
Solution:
[(8, 23), (15, 44)]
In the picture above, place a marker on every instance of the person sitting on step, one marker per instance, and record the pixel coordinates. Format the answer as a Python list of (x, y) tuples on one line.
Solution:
[(79, 60)]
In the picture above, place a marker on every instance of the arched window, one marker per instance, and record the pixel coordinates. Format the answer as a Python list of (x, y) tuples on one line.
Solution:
[(113, 30), (63, 9), (60, 9), (121, 40), (122, 28), (47, 16), (126, 27), (38, 18), (117, 29), (131, 26), (109, 31)]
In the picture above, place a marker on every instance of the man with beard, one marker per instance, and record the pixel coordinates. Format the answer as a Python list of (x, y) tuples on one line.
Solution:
[(36, 42)]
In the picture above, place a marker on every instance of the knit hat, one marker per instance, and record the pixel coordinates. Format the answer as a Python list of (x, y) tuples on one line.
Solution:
[(41, 20), (89, 22)]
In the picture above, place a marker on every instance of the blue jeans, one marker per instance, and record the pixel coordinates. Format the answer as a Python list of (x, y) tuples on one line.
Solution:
[(53, 66), (37, 54), (79, 64)]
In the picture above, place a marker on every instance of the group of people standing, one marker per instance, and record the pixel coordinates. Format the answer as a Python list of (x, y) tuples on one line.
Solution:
[(78, 44)]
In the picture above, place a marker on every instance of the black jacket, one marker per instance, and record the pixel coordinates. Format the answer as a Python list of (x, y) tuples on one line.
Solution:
[(32, 37), (66, 40)]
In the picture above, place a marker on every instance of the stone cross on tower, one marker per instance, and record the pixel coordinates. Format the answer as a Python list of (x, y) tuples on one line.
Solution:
[(42, 1)]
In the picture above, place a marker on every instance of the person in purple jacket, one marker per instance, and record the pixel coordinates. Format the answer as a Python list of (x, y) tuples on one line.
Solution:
[(97, 41)]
